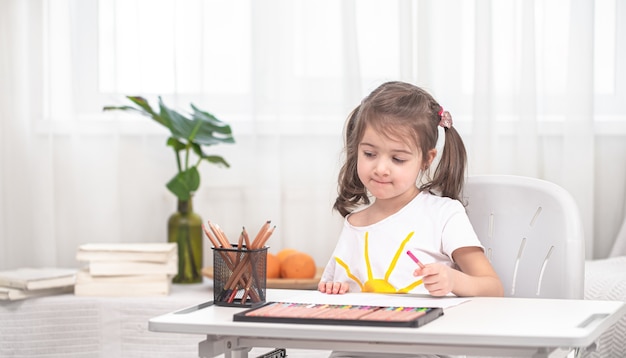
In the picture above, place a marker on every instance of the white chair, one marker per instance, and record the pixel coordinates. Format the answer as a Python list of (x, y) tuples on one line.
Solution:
[(532, 234)]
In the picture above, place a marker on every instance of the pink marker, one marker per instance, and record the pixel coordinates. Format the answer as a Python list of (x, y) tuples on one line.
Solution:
[(421, 265)]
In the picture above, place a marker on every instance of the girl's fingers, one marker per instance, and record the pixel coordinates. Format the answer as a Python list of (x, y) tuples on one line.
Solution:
[(344, 288), (336, 287), (333, 287)]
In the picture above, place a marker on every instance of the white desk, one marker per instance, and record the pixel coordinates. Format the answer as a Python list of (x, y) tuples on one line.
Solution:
[(481, 326)]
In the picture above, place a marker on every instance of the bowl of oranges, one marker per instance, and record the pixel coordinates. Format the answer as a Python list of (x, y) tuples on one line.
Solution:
[(288, 269)]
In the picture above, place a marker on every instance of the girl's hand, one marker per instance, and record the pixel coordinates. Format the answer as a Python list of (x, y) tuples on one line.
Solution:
[(333, 288), (438, 278)]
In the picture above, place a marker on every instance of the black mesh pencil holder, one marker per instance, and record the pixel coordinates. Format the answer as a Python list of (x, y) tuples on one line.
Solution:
[(239, 276)]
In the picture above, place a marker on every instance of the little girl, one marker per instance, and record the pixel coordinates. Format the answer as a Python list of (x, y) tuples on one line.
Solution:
[(392, 205)]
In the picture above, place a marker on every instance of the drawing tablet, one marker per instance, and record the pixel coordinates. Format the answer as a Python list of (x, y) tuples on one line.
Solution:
[(352, 315)]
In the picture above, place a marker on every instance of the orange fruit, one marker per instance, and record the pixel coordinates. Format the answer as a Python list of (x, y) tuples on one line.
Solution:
[(272, 266), (282, 254), (298, 265)]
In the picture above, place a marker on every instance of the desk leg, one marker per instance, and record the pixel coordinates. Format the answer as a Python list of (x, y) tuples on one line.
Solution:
[(213, 346)]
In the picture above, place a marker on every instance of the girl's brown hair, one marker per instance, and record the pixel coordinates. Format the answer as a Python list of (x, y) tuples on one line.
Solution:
[(401, 110)]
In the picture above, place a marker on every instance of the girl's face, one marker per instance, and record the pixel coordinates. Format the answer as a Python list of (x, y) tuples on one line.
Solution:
[(389, 168)]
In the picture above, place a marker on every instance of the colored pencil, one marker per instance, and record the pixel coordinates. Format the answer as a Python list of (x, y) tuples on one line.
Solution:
[(417, 261), (260, 235)]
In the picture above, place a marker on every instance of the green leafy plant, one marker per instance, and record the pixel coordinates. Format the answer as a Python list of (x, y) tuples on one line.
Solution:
[(188, 134)]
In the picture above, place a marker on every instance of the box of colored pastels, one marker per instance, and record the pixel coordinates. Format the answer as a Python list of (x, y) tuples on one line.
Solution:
[(353, 315)]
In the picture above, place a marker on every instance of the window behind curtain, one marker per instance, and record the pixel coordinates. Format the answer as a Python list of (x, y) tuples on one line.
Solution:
[(225, 54)]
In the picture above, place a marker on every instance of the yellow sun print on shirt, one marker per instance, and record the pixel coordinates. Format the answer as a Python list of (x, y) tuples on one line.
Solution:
[(378, 284)]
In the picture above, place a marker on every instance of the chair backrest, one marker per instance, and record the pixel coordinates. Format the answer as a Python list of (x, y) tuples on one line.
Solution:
[(532, 233)]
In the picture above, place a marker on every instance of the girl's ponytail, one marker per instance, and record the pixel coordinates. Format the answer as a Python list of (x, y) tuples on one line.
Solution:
[(449, 175)]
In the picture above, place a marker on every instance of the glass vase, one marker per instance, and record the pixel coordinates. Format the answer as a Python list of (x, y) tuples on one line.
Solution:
[(185, 228)]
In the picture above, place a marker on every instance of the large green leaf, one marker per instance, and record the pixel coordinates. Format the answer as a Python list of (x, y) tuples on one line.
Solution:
[(185, 183), (211, 125), (202, 128), (179, 125)]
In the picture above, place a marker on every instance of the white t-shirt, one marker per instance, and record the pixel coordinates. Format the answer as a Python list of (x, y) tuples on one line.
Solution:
[(435, 227)]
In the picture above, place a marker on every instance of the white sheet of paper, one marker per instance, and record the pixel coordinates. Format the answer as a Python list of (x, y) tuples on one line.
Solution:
[(373, 299)]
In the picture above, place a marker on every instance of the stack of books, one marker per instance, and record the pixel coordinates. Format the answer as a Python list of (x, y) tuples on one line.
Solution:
[(27, 282), (126, 269)]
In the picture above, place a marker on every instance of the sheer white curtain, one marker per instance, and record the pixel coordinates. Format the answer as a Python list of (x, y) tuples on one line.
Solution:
[(535, 88)]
